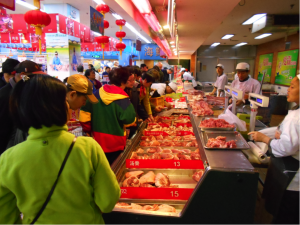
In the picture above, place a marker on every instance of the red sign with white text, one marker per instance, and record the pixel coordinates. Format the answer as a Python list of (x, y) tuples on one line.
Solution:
[(52, 27), (4, 38), (87, 34), (156, 193), (14, 38), (62, 24), (76, 29), (163, 164), (19, 25), (155, 133)]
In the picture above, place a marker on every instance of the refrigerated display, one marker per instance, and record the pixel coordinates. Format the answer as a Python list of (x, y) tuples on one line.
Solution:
[(218, 186)]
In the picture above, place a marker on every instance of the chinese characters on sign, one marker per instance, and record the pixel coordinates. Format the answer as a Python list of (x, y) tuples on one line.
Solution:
[(148, 51)]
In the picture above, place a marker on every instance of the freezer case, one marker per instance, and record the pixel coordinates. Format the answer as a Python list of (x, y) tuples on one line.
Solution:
[(226, 192)]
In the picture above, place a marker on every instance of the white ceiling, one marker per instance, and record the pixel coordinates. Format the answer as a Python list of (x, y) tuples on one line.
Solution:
[(232, 24), (84, 7)]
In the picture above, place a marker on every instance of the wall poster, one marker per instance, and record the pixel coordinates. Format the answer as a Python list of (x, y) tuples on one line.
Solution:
[(265, 67)]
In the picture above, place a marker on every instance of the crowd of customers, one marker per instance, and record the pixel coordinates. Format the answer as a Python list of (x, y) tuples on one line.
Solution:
[(39, 157)]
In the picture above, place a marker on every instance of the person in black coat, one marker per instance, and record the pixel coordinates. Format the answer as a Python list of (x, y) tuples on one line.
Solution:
[(7, 71)]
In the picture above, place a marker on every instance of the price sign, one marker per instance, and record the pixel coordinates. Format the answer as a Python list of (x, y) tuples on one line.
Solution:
[(22, 58), (164, 164), (184, 133), (156, 193), (40, 59), (155, 133)]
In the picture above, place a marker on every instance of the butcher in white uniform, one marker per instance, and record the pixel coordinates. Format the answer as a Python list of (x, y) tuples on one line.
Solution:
[(188, 76), (284, 167), (221, 81), (245, 83)]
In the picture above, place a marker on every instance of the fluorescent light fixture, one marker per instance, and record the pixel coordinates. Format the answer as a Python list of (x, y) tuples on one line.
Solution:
[(240, 44), (142, 5), (117, 16), (152, 21), (227, 36), (173, 46), (254, 18), (172, 42), (166, 27), (99, 2), (215, 44), (262, 36), (25, 4)]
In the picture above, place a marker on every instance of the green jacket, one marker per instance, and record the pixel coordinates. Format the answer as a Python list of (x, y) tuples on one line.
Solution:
[(86, 187)]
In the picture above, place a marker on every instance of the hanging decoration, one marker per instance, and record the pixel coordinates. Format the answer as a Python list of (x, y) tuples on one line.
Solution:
[(102, 40), (106, 24), (120, 34), (103, 9), (37, 19)]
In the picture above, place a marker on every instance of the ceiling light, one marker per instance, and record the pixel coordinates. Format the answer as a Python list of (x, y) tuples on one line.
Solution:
[(215, 44), (166, 27), (117, 17), (25, 4), (173, 46), (262, 36), (142, 5), (172, 42), (136, 32), (227, 36), (240, 44), (99, 2), (152, 21), (254, 18)]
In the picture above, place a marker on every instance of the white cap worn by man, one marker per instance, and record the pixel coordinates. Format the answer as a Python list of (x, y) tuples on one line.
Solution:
[(245, 83), (221, 81), (241, 66)]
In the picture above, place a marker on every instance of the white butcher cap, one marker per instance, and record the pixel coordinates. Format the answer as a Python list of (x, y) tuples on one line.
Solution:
[(173, 86), (182, 69), (220, 65), (243, 66)]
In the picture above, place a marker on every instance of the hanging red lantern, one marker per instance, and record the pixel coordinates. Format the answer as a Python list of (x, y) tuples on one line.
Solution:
[(102, 40), (106, 24), (102, 9), (121, 23), (37, 19), (120, 46), (120, 34)]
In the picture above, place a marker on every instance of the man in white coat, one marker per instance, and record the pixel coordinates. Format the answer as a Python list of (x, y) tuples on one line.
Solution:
[(221, 81), (245, 83)]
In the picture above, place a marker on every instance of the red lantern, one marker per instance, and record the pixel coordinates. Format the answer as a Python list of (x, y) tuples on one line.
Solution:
[(38, 20), (106, 24), (120, 34), (102, 9), (121, 23), (120, 46), (102, 40)]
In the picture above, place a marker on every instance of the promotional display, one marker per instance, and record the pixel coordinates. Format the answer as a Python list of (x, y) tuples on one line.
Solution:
[(58, 55), (286, 66), (74, 56), (96, 21), (265, 67)]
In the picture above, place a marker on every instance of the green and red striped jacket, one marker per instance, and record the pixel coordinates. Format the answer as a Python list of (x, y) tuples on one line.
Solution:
[(109, 117)]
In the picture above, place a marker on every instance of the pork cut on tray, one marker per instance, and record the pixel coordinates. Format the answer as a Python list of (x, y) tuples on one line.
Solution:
[(220, 142), (213, 123)]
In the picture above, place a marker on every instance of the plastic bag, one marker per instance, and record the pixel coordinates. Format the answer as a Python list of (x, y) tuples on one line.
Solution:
[(231, 118), (270, 132)]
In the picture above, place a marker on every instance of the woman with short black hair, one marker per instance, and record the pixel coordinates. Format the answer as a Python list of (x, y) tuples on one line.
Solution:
[(29, 171)]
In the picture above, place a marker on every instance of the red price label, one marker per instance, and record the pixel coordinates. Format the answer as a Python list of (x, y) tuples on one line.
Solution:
[(155, 133), (184, 133), (164, 164), (183, 124)]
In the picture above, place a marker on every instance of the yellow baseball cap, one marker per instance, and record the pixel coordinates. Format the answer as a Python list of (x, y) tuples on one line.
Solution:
[(81, 84)]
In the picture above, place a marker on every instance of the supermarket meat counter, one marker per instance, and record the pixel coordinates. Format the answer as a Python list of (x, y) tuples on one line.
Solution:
[(167, 175)]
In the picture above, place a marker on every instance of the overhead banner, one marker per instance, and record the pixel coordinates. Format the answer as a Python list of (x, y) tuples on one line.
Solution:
[(52, 27), (265, 67), (96, 21), (19, 25), (286, 67), (9, 4), (73, 13)]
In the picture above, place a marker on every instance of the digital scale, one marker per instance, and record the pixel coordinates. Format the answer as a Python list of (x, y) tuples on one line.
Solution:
[(255, 101), (227, 95), (236, 95)]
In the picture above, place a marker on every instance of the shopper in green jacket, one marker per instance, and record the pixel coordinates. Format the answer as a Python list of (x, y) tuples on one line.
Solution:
[(86, 188)]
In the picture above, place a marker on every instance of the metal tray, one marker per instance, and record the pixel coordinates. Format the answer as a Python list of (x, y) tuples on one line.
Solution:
[(214, 128), (230, 135)]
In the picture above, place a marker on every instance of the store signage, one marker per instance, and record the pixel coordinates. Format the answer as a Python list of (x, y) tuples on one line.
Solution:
[(96, 21), (163, 164), (40, 59), (14, 38), (5, 38), (76, 29), (19, 25), (52, 27), (265, 67), (156, 193), (22, 58), (286, 67), (73, 13), (9, 4), (3, 58), (62, 24), (138, 45)]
